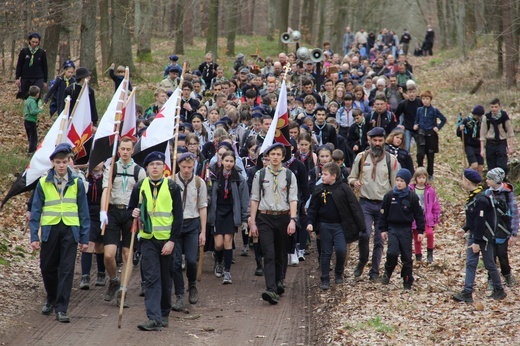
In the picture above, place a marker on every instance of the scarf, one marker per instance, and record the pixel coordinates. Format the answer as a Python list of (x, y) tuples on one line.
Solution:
[(320, 133), (95, 192), (155, 191), (290, 161), (392, 149), (226, 183), (67, 80), (401, 193), (473, 193), (185, 190), (124, 183), (303, 157), (33, 52), (275, 181), (375, 160)]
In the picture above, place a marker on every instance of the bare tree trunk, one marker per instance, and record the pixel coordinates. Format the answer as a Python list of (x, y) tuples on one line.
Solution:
[(51, 39), (212, 37), (189, 17), (179, 35), (144, 31), (321, 25), (283, 20), (121, 52), (87, 52), (104, 32), (510, 62), (471, 24), (307, 19), (232, 27), (271, 19)]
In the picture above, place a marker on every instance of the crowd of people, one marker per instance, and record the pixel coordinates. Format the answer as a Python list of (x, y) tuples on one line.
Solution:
[(347, 174)]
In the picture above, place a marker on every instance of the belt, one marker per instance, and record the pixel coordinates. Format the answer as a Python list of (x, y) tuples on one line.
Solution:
[(373, 201), (269, 212), (189, 220), (118, 206)]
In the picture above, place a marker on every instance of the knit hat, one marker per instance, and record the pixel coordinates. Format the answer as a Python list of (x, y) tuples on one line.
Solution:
[(496, 174), (472, 175), (404, 174), (478, 110), (154, 156)]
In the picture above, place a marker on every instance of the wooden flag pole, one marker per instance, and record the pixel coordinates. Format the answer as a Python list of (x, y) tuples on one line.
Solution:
[(177, 121)]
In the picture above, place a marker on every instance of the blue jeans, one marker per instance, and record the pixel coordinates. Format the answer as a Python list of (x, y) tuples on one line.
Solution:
[(332, 236), (372, 212), (408, 135), (188, 243), (471, 266)]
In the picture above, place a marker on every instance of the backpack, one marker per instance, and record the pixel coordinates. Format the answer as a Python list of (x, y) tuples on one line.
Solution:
[(198, 183), (388, 115), (137, 169), (501, 229), (288, 178)]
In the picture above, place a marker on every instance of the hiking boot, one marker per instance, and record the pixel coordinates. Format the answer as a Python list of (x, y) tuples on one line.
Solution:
[(338, 280), (301, 255), (151, 325), (259, 271), (270, 297), (85, 282), (119, 294), (325, 285), (385, 279), (510, 280), (62, 317), (498, 294), (227, 278), (136, 258), (466, 297), (141, 293), (280, 288), (429, 256), (47, 308), (101, 279), (193, 293), (359, 269), (489, 286), (245, 251), (293, 259), (407, 286), (374, 278), (179, 303), (113, 287), (418, 257), (165, 321), (219, 269)]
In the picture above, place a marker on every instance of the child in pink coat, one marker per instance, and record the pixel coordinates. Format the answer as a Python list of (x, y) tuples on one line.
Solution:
[(432, 211)]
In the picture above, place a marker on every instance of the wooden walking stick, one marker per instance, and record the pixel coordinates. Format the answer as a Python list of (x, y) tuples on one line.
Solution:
[(199, 267), (127, 272)]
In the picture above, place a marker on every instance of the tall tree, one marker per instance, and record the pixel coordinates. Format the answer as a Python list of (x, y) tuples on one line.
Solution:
[(232, 27), (321, 26), (212, 37), (508, 33), (144, 27), (104, 33), (87, 52), (271, 19), (283, 20), (52, 34), (121, 51), (179, 35)]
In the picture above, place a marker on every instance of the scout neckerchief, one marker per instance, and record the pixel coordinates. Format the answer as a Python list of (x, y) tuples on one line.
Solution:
[(124, 183), (185, 191), (226, 183), (33, 52), (275, 181), (375, 160), (95, 178), (155, 191), (473, 193), (60, 183), (320, 134)]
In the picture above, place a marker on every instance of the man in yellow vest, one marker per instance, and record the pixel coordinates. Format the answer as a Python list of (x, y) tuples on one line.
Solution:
[(157, 201), (60, 207)]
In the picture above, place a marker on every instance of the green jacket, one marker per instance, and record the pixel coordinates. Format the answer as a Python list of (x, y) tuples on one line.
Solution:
[(31, 109)]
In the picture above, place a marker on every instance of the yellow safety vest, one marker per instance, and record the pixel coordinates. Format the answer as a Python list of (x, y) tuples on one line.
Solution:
[(55, 209), (161, 217)]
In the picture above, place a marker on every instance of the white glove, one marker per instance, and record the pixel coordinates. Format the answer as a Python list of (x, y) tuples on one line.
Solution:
[(103, 217), (244, 227)]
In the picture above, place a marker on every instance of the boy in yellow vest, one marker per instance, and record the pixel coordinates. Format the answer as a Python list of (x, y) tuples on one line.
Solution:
[(161, 204), (60, 207)]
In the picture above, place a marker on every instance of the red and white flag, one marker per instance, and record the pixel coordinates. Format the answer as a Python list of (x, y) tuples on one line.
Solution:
[(168, 163), (129, 118), (80, 127), (279, 129)]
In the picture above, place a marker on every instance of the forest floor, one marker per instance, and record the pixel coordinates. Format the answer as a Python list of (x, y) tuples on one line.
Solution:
[(358, 312)]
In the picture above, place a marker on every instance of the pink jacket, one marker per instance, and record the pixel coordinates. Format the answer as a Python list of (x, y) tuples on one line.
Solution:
[(432, 209)]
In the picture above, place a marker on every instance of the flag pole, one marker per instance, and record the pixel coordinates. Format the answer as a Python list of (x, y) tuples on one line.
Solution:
[(177, 121), (63, 121), (117, 125)]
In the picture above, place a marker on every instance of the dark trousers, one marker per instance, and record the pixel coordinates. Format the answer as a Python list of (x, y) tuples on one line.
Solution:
[(26, 83), (157, 279), (500, 251), (400, 243), (332, 237), (472, 263), (57, 259), (272, 231), (32, 135), (496, 154), (422, 150), (188, 244), (372, 212)]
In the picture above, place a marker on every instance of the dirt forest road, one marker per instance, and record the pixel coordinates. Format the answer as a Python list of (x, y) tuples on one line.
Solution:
[(225, 315)]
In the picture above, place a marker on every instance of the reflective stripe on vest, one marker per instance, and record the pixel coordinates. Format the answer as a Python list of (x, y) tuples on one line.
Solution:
[(162, 218), (55, 209)]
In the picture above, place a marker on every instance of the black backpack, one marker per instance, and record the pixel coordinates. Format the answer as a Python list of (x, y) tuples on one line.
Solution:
[(288, 178), (137, 169), (502, 218)]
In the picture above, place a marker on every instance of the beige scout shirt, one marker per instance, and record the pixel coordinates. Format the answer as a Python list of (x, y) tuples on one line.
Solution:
[(489, 133), (122, 185), (195, 200), (269, 201), (374, 190)]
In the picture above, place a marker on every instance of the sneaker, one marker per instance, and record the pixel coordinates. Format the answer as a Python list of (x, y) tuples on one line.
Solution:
[(136, 258), (150, 325), (510, 280), (62, 317), (374, 278), (179, 303), (418, 257), (245, 251), (293, 259), (407, 286), (301, 255), (280, 288), (359, 269), (47, 308), (429, 256), (325, 285), (119, 294), (270, 297), (498, 294), (466, 297), (489, 286), (385, 279), (227, 278), (165, 321), (101, 279), (85, 282), (141, 293), (219, 269), (259, 271), (193, 294), (338, 280), (113, 287)]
